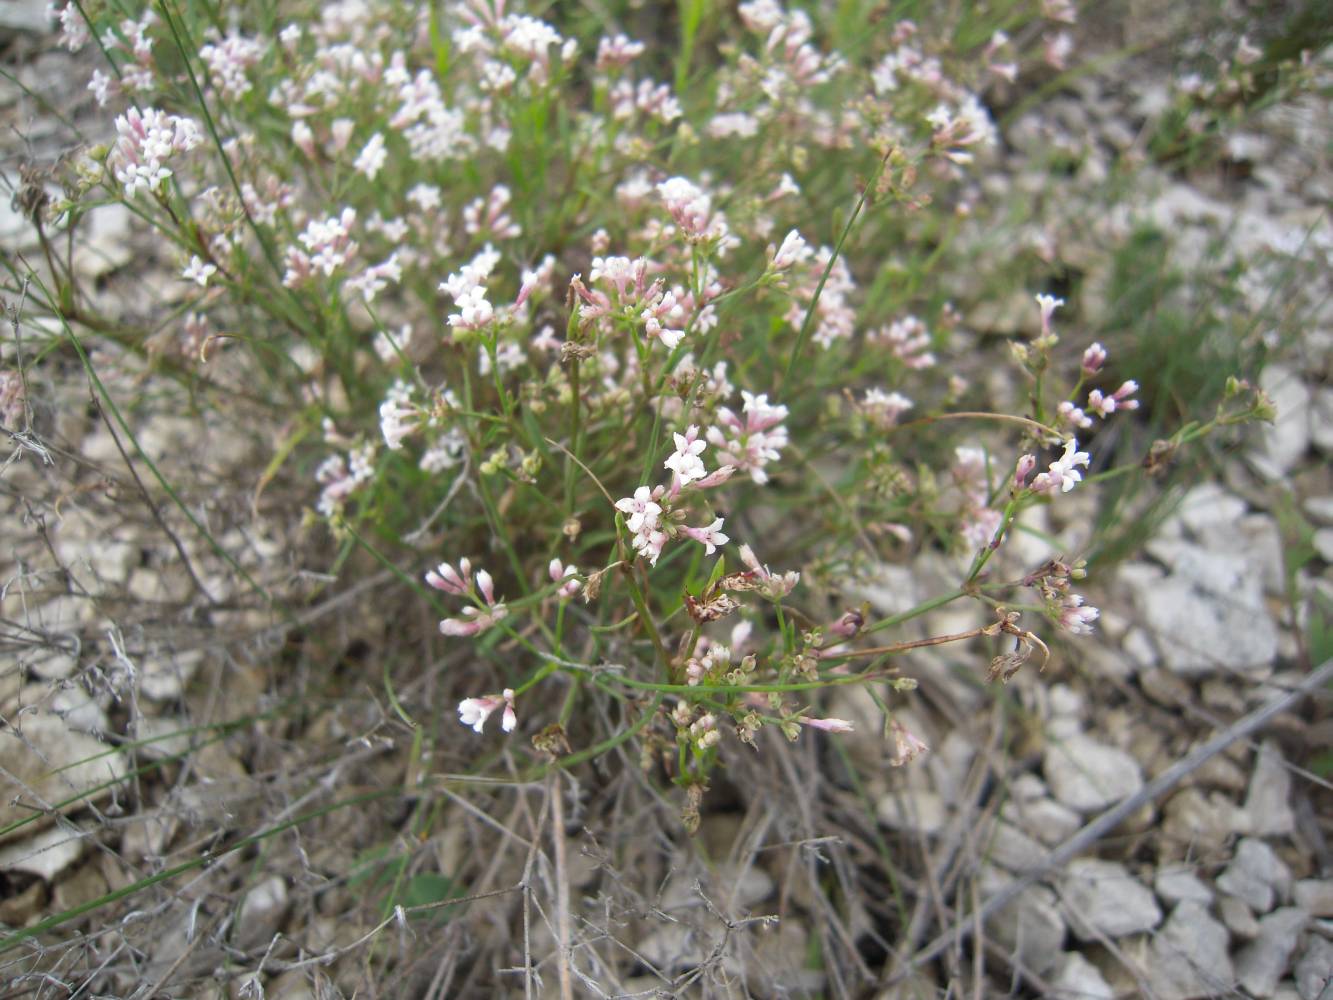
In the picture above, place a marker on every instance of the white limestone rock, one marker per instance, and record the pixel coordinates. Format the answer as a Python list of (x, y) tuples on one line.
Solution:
[(1103, 898), (1188, 958), (1208, 615), (1087, 775), (915, 810), (1314, 969), (1261, 963), (1179, 885), (1075, 978), (1256, 875), (1284, 442), (48, 763), (46, 854), (1269, 800), (1314, 896)]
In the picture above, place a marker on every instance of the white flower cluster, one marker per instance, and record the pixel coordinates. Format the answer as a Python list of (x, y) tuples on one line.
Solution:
[(146, 139)]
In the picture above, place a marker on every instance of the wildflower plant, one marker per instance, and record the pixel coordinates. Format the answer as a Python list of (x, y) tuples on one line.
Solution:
[(606, 355)]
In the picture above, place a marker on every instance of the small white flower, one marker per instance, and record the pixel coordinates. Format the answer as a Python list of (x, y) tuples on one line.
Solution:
[(372, 157), (198, 272)]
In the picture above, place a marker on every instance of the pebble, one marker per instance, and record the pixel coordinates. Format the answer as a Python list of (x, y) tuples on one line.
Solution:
[(1087, 775), (45, 855), (1043, 818), (1321, 419), (80, 887), (1011, 848), (1031, 928), (1269, 800), (1196, 822), (1208, 614), (1261, 963), (1165, 688), (1188, 958), (1256, 875), (1075, 978), (1323, 543), (66, 701), (25, 15), (20, 908), (104, 243), (1314, 896), (1314, 969), (163, 676), (912, 809), (261, 911), (57, 763), (1238, 917), (1208, 505), (1285, 441), (1141, 649), (731, 887), (1320, 509), (1179, 885), (1103, 898)]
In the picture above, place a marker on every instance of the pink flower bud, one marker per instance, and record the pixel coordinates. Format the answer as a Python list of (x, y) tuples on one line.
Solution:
[(1093, 359), (829, 725), (1025, 466)]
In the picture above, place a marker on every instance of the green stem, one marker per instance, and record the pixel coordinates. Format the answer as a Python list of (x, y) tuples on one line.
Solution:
[(920, 609), (828, 269)]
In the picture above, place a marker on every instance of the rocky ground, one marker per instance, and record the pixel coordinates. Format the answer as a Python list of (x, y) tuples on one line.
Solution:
[(144, 724)]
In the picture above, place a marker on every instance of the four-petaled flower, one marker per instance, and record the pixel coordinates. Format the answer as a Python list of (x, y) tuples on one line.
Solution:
[(1063, 472), (642, 510), (199, 272), (710, 537), (685, 461)]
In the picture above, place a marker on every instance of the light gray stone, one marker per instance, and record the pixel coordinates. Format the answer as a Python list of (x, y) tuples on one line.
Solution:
[(1011, 848), (1323, 544), (47, 763), (1321, 419), (1188, 958), (912, 809), (1314, 969), (1268, 803), (1043, 818), (1140, 648), (1075, 978), (1314, 896), (1285, 441), (1208, 615), (1087, 775), (261, 911), (1180, 885), (1202, 822), (1103, 898), (1256, 539), (104, 244), (1261, 963), (163, 676), (25, 15), (1238, 917), (46, 854), (1256, 875), (1209, 505), (1320, 509), (1031, 928), (65, 701)]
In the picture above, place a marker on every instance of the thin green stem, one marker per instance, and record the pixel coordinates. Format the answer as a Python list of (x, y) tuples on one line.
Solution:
[(808, 322)]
